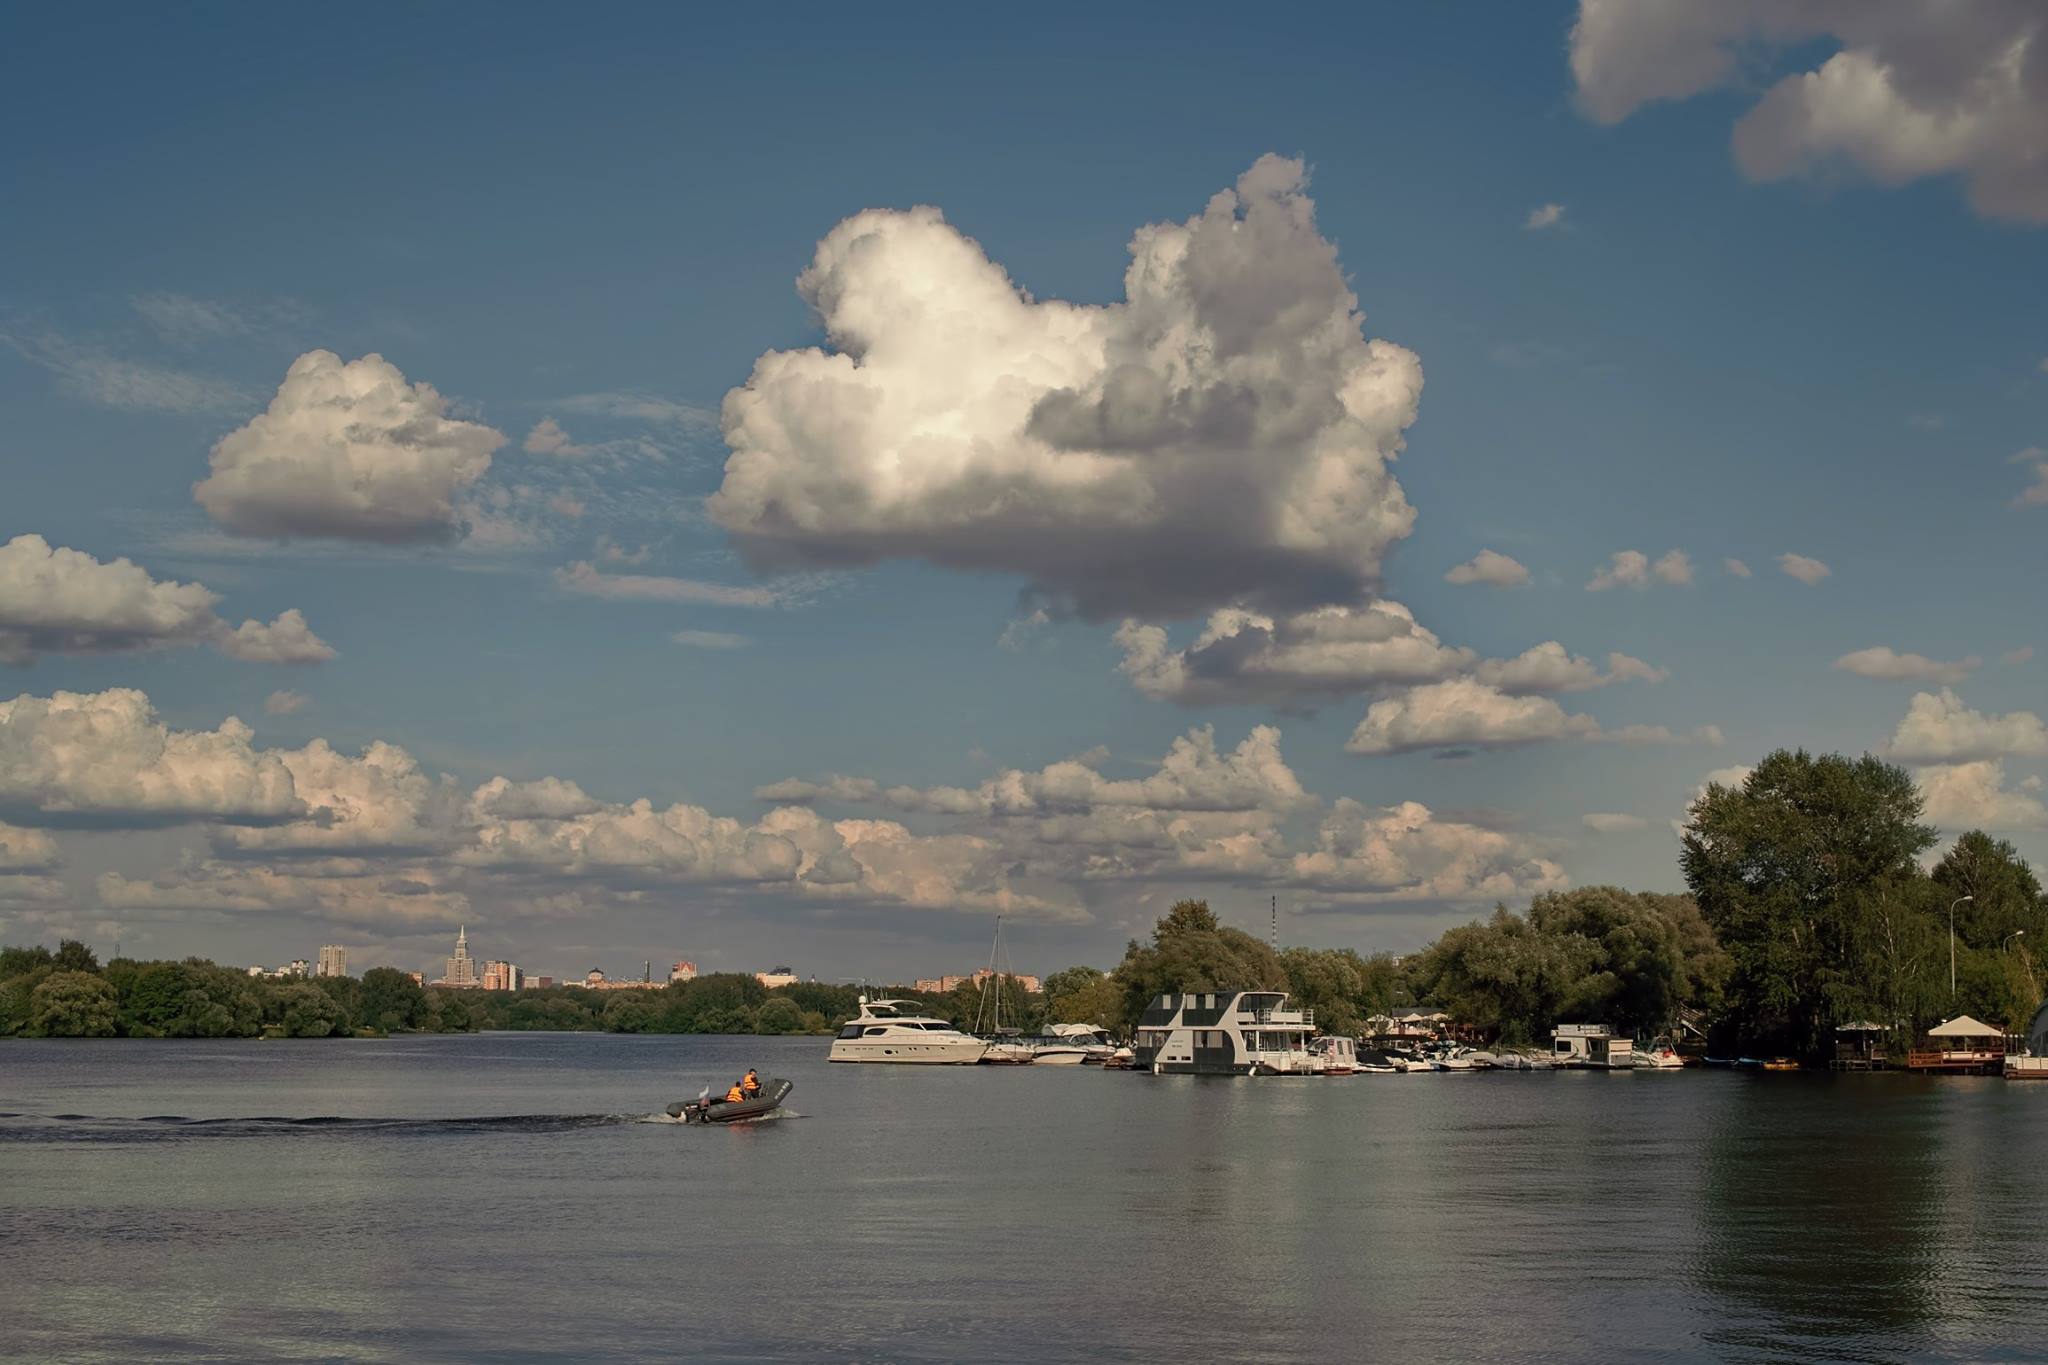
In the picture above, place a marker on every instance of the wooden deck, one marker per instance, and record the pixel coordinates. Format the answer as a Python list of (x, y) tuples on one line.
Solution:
[(1969, 1061)]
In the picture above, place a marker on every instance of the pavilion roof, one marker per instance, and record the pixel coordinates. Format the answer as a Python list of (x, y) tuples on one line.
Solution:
[(1963, 1026)]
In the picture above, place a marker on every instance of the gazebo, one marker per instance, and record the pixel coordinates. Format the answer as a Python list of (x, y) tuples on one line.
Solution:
[(1860, 1046), (1959, 1044)]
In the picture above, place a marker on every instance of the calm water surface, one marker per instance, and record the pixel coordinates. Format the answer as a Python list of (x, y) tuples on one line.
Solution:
[(512, 1197)]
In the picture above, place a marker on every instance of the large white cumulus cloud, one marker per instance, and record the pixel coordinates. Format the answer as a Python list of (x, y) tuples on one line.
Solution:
[(108, 756), (1222, 435), (1915, 88), (370, 838), (58, 600), (348, 450)]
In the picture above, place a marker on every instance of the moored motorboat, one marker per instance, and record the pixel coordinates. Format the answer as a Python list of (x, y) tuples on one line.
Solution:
[(1659, 1059), (888, 1031), (704, 1109), (1008, 1049), (1073, 1044), (1337, 1054)]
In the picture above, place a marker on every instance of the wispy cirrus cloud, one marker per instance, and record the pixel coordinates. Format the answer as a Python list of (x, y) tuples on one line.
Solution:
[(587, 580), (87, 370)]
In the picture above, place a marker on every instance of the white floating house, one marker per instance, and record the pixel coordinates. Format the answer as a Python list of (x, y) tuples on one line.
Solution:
[(1225, 1033), (1591, 1045)]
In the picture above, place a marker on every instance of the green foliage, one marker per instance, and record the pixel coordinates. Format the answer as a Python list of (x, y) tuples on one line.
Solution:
[(1083, 995), (72, 1004), (306, 1011), (1998, 930), (780, 1015), (391, 1001), (1800, 870), (1192, 951)]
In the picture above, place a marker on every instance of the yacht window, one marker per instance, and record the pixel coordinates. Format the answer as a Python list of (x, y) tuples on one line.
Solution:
[(850, 1031), (876, 1032)]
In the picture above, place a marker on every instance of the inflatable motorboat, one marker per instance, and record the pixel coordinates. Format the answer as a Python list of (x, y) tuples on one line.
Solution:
[(704, 1109)]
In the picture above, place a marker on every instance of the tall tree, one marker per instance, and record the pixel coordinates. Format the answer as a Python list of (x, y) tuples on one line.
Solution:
[(1998, 930), (72, 1005), (1787, 868), (1192, 951)]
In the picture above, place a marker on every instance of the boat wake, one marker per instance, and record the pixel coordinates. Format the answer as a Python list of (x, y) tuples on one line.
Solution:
[(74, 1127)]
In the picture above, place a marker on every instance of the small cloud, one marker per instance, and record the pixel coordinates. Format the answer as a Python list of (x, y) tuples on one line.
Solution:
[(1020, 632), (710, 639), (586, 580), (564, 505), (1543, 217), (1633, 569), (610, 551), (1609, 822), (642, 407), (1807, 570), (2037, 495), (285, 703), (1489, 567), (2043, 366), (1887, 665), (1736, 567), (548, 438), (2020, 655)]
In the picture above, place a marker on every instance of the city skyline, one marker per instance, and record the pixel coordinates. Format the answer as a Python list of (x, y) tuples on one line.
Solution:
[(1397, 485)]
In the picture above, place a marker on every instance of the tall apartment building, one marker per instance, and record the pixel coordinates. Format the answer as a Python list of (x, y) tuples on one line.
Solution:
[(502, 976), (333, 960)]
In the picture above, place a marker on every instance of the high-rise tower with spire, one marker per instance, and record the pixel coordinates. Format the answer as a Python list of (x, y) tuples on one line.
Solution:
[(461, 967)]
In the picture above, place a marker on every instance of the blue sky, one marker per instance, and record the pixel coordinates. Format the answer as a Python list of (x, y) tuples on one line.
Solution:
[(1747, 329)]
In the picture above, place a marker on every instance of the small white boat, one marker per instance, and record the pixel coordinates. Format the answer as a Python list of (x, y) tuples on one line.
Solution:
[(1009, 1049), (1336, 1054), (1659, 1059), (1073, 1044)]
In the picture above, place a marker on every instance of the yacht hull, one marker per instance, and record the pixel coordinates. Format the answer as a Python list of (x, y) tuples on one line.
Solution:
[(906, 1052)]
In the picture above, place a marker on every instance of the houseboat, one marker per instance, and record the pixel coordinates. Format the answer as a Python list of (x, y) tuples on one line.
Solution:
[(1225, 1033), (1593, 1046)]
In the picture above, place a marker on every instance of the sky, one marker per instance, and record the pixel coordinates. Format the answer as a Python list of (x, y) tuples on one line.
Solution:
[(786, 487)]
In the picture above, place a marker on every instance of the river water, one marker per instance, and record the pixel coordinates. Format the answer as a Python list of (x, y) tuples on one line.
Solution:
[(518, 1197)]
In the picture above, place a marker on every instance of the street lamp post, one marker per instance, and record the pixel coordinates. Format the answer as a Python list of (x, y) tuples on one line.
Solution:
[(1952, 944), (2017, 933)]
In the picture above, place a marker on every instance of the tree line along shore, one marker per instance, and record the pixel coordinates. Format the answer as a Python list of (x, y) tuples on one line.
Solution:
[(1814, 898)]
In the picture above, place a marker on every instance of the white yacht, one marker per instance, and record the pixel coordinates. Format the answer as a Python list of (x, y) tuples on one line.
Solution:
[(889, 1031)]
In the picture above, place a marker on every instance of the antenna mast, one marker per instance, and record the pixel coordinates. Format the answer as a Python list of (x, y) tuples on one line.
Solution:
[(1273, 935)]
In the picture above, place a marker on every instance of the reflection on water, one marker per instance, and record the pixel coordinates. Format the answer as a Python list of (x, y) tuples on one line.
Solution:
[(508, 1197), (1864, 1216)]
